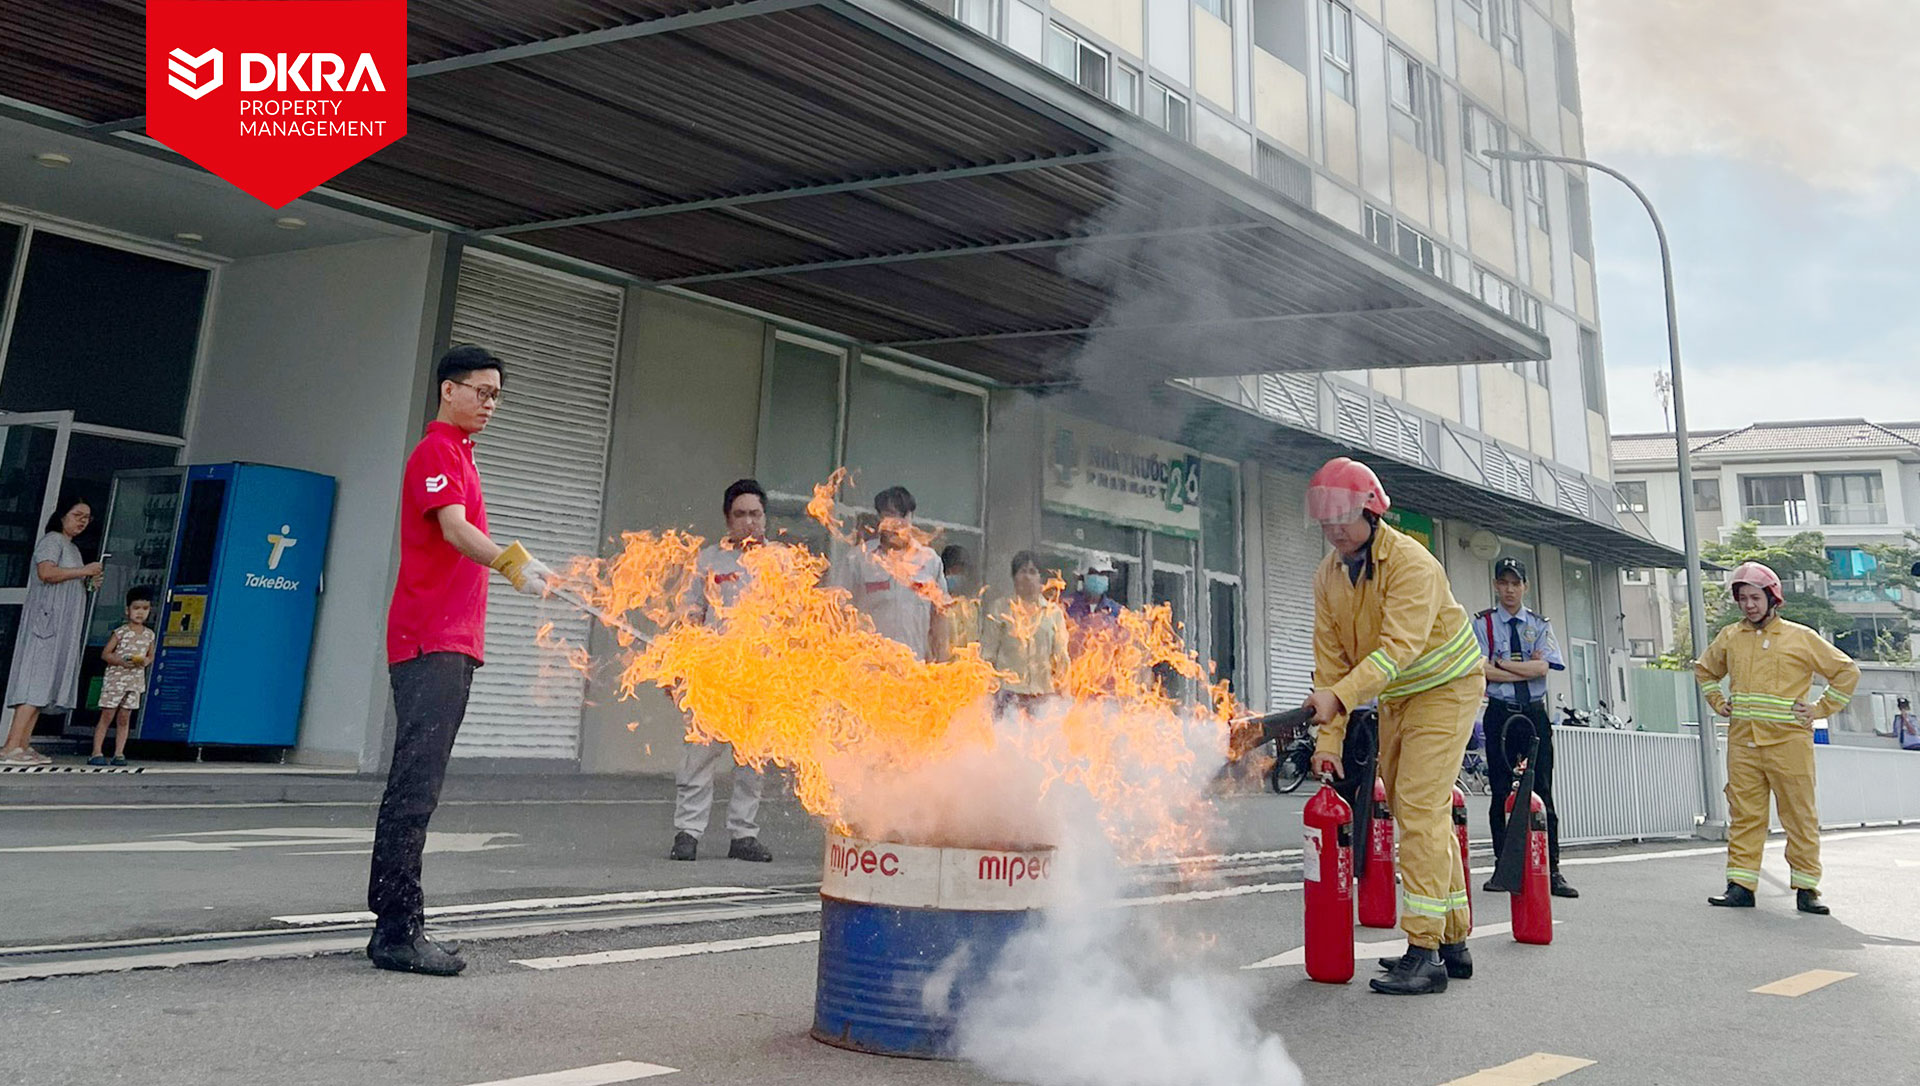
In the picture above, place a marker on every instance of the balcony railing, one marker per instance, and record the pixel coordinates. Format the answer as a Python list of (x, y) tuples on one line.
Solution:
[(1856, 513), (1861, 592), (1779, 514)]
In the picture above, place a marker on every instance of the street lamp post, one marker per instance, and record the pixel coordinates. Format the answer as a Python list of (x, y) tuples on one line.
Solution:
[(1710, 774)]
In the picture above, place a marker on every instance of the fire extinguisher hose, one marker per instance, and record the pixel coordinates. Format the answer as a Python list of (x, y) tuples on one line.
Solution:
[(1510, 870), (1359, 759)]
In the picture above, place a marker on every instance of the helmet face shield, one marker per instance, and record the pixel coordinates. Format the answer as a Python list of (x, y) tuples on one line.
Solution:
[(1332, 505)]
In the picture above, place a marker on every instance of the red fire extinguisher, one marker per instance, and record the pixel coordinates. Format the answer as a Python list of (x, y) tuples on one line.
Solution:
[(1378, 908), (1328, 863), (1460, 835), (1533, 905)]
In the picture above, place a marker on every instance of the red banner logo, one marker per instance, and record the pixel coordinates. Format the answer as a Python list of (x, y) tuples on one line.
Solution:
[(276, 96)]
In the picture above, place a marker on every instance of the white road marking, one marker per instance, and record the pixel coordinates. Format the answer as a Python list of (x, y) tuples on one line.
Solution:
[(520, 904), (600, 1074), (1526, 1071), (1801, 983), (1207, 895), (276, 837), (678, 950), (1298, 955), (291, 804)]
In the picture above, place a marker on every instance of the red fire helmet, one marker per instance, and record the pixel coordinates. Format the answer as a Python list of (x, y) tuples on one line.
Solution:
[(1760, 577), (1342, 489)]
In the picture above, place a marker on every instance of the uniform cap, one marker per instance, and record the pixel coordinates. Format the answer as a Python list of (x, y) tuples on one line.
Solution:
[(1513, 566)]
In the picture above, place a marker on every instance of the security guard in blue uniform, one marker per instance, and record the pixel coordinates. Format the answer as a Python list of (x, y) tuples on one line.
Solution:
[(1519, 649)]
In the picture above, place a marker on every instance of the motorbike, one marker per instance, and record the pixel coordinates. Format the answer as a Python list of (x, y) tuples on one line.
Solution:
[(1292, 764)]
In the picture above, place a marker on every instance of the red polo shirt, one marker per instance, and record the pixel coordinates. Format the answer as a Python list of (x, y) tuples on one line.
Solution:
[(440, 598)]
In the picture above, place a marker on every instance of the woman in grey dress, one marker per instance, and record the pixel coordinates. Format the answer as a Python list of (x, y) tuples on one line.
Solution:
[(46, 651)]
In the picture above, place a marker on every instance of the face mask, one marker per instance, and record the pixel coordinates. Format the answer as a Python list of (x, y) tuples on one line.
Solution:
[(1097, 584)]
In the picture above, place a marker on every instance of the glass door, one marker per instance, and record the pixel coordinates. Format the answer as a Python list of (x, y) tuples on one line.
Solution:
[(1173, 586), (33, 457)]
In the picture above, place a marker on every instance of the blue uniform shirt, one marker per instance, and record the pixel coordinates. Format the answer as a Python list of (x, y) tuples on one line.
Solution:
[(1536, 633)]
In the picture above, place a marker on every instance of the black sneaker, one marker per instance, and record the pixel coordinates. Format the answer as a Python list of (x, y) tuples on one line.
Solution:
[(417, 954), (1808, 901), (1490, 888), (685, 847), (1418, 972), (1561, 888), (1736, 897), (1455, 956), (749, 849)]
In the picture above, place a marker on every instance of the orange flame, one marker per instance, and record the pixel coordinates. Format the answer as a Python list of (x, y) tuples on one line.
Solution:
[(791, 674)]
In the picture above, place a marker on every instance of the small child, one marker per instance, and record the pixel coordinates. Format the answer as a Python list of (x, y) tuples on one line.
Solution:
[(127, 655)]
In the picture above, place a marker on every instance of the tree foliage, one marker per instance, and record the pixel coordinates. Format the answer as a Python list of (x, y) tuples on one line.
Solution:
[(1798, 558), (1894, 570)]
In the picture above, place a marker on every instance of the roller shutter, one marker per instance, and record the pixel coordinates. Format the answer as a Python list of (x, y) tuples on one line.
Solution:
[(543, 464), (1292, 551)]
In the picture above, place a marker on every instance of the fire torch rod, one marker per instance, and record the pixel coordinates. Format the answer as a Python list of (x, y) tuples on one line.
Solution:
[(579, 603)]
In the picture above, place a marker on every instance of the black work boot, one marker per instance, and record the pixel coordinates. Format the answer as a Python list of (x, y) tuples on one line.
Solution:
[(1736, 897), (1561, 887), (1808, 901), (1455, 956), (685, 847), (749, 849), (1489, 887), (412, 952), (1418, 972)]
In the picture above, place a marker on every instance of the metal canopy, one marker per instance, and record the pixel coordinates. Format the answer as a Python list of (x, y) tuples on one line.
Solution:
[(1211, 425), (865, 166)]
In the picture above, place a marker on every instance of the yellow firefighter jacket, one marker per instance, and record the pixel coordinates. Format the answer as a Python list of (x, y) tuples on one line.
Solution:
[(1755, 675), (1394, 634)]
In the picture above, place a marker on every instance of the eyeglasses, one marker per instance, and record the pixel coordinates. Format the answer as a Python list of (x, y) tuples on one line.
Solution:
[(486, 395)]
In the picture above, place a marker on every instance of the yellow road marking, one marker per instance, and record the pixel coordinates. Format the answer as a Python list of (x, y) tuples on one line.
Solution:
[(1526, 1071), (1800, 984)]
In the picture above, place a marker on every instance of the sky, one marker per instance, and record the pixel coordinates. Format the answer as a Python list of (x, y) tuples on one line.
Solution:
[(1780, 142)]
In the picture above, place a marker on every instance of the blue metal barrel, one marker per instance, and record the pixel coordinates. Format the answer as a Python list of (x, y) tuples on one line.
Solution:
[(895, 919)]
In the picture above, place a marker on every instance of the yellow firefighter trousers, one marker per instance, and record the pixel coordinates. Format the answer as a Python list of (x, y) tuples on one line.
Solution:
[(1786, 771), (1422, 739)]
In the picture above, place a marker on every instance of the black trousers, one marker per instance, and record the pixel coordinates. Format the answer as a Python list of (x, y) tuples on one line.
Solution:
[(429, 699), (1501, 776)]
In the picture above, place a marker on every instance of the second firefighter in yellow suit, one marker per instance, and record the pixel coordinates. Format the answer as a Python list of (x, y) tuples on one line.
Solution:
[(1758, 673), (1386, 627)]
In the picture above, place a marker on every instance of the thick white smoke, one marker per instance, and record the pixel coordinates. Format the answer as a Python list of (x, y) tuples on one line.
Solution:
[(1094, 995)]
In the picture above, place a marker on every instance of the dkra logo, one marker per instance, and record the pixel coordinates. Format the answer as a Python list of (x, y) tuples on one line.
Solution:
[(308, 73)]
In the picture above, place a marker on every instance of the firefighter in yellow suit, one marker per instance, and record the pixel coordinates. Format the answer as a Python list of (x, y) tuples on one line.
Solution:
[(1386, 627), (1758, 673)]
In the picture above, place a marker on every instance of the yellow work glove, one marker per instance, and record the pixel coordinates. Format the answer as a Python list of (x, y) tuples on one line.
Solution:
[(528, 575)]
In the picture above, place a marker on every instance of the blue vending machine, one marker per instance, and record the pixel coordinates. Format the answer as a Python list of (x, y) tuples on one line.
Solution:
[(236, 624)]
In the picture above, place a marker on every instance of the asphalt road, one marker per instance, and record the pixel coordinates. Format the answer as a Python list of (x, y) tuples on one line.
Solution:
[(1643, 980)]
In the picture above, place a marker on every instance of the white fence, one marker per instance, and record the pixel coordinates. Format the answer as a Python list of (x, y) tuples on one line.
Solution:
[(1621, 786)]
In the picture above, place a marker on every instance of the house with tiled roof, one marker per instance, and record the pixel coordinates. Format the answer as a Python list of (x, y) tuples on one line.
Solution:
[(1855, 481)]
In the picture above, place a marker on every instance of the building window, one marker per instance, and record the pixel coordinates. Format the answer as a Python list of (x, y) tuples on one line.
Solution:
[(1379, 227), (1579, 218), (1592, 376), (1533, 177), (1480, 133), (1850, 563), (1774, 500), (1852, 498), (1507, 14), (1167, 109), (1630, 496), (1336, 48), (1478, 16), (1533, 314), (981, 15), (1126, 87), (1642, 648), (1568, 76), (1219, 9), (1637, 576), (1071, 56), (107, 334), (1493, 291), (1415, 94), (1706, 495), (1419, 250), (923, 433)]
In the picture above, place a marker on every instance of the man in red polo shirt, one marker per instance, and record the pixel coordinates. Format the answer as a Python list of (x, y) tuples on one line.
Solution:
[(436, 631)]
